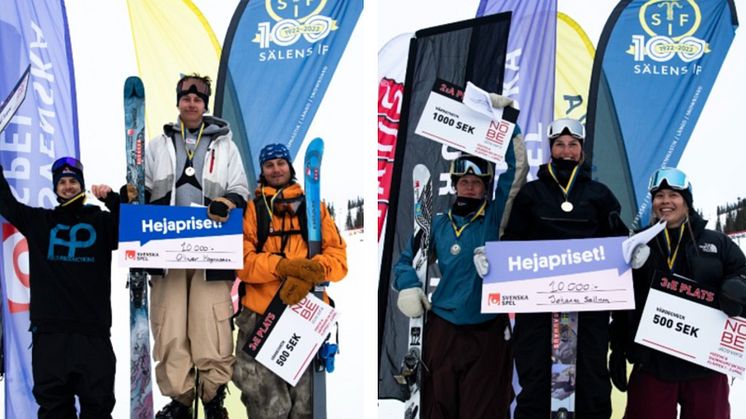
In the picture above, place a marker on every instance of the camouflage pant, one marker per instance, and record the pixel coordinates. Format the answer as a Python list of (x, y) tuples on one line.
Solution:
[(265, 395)]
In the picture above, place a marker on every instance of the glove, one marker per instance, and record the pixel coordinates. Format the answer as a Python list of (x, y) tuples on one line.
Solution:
[(639, 255), (732, 296), (308, 270), (618, 370), (480, 262), (293, 290), (128, 193), (413, 302), (219, 208)]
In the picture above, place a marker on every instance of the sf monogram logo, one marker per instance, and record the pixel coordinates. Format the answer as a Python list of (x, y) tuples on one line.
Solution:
[(671, 25), (294, 19), (80, 236)]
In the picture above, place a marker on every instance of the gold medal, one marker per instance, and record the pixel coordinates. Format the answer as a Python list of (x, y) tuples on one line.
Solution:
[(455, 249), (189, 171), (566, 206)]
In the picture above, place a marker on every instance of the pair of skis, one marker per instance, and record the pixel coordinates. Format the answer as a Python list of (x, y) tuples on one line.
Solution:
[(141, 394), (564, 364), (411, 371), (311, 186)]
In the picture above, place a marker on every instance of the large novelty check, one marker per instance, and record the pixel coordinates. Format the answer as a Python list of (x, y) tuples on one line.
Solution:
[(287, 338), (485, 132), (557, 275), (682, 318), (159, 236)]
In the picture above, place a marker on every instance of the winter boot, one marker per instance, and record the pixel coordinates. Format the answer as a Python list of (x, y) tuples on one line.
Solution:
[(175, 410), (214, 408)]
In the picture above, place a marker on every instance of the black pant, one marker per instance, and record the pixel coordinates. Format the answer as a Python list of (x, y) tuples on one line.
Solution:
[(470, 370), (66, 365), (532, 353)]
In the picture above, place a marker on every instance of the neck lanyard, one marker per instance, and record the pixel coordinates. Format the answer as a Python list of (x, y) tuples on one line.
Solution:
[(271, 203), (672, 257), (458, 230), (570, 182), (190, 153)]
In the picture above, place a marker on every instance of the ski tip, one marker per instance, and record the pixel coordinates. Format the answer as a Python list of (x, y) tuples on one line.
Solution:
[(133, 87)]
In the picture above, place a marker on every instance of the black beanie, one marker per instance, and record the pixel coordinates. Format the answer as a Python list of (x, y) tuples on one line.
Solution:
[(67, 171)]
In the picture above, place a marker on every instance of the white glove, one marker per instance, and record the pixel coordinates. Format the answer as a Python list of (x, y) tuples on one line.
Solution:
[(480, 262), (639, 255), (413, 302)]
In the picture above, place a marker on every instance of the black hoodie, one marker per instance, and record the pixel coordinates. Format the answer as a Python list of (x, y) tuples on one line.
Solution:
[(69, 262)]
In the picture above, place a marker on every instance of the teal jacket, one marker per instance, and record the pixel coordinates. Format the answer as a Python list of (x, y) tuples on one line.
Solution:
[(458, 294)]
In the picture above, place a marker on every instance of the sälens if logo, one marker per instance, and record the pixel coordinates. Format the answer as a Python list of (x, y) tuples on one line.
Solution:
[(79, 236), (669, 27), (293, 20)]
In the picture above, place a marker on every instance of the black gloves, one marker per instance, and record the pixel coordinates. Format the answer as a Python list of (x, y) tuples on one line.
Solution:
[(732, 296), (618, 370), (218, 208)]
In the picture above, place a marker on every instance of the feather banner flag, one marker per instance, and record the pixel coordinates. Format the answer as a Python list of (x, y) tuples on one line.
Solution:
[(44, 128), (278, 60), (655, 65), (171, 38)]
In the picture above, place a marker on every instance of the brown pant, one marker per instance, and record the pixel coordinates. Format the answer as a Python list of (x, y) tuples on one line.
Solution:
[(471, 370), (651, 398), (190, 319), (266, 395)]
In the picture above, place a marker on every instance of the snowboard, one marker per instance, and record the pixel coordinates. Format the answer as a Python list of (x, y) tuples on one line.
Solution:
[(311, 178), (141, 396), (410, 374), (564, 363)]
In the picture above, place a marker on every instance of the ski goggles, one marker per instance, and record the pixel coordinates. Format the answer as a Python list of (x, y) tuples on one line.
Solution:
[(566, 126), (70, 162), (195, 86), (674, 178), (463, 166)]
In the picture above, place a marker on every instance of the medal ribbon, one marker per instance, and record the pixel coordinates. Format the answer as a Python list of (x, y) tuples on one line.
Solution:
[(458, 230), (190, 153), (570, 182), (672, 257)]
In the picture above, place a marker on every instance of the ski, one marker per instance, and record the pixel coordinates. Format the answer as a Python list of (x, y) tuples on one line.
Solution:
[(141, 396), (564, 363), (411, 372), (311, 178)]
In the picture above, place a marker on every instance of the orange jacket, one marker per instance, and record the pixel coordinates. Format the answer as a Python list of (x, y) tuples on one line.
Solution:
[(259, 272)]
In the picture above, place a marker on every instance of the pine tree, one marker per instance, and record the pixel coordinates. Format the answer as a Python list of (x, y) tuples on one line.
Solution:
[(348, 222), (359, 218)]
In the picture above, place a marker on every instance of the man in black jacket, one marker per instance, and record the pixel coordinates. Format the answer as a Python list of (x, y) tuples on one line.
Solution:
[(563, 203), (70, 274), (660, 381)]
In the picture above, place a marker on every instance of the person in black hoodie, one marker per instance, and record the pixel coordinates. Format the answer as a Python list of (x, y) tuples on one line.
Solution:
[(70, 275), (660, 381), (563, 203)]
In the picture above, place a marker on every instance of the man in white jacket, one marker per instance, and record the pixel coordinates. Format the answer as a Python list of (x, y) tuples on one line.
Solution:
[(194, 161)]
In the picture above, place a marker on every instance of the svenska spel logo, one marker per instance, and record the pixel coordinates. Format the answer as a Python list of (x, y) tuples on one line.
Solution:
[(669, 27), (130, 254), (494, 299)]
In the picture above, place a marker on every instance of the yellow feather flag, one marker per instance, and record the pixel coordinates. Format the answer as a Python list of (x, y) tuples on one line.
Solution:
[(171, 38), (573, 70)]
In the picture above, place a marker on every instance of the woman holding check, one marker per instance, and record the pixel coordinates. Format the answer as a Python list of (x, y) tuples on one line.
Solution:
[(563, 203), (659, 382)]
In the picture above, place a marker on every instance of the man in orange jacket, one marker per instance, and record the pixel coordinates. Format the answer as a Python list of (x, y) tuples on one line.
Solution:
[(280, 263)]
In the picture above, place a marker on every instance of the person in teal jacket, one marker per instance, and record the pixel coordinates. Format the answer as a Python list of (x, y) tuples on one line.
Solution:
[(466, 352)]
